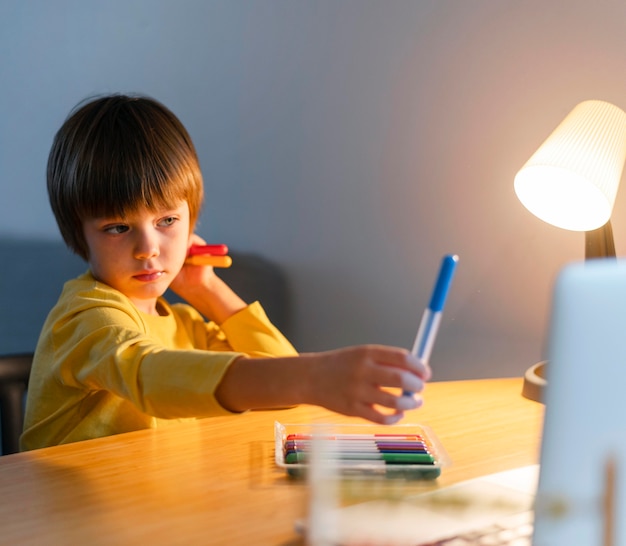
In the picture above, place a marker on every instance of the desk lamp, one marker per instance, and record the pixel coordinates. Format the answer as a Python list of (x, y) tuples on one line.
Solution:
[(571, 182)]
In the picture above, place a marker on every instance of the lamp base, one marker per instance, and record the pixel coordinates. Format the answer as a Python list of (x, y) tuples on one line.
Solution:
[(535, 382)]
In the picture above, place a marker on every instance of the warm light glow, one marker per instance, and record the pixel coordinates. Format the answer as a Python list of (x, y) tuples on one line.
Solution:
[(571, 181)]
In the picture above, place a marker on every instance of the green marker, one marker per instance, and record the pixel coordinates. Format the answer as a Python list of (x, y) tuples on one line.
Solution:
[(388, 458)]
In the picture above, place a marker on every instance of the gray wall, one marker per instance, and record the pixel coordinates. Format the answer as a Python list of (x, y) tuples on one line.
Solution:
[(354, 142)]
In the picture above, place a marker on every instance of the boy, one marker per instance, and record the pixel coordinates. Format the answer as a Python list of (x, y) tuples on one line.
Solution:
[(125, 187)]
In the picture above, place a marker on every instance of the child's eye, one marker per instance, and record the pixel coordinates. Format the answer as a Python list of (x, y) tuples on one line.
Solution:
[(116, 229), (169, 221)]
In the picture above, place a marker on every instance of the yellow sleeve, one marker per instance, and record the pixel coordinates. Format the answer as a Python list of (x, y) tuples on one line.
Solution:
[(104, 350), (249, 331), (161, 370)]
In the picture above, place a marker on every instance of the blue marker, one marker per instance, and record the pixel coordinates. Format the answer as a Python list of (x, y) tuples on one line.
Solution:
[(427, 332)]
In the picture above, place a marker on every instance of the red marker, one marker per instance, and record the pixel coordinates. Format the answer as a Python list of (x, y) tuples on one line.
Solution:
[(213, 250)]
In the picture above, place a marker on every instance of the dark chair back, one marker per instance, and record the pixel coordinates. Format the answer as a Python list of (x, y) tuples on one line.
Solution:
[(14, 374)]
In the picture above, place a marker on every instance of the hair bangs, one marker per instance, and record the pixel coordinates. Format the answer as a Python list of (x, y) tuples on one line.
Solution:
[(139, 166)]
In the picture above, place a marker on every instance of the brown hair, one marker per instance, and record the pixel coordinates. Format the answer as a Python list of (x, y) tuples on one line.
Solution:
[(115, 154)]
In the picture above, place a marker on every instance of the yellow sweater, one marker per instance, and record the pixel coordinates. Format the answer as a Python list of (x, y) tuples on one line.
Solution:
[(103, 367)]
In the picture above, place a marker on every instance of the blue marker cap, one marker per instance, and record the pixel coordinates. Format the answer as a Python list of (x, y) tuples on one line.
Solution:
[(448, 266)]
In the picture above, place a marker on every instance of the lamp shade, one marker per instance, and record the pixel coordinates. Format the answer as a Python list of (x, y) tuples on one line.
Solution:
[(571, 181)]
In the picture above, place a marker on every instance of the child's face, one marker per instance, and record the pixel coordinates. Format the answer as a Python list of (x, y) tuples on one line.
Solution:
[(140, 254)]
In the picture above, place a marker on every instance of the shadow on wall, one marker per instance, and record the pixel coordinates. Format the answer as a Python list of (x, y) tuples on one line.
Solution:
[(31, 278), (33, 272)]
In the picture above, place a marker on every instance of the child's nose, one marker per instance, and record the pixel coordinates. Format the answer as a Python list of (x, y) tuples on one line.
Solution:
[(146, 247)]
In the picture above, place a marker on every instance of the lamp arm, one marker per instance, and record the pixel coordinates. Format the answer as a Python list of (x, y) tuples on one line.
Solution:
[(599, 242)]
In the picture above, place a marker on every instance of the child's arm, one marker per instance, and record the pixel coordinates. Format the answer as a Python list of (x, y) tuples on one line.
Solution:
[(351, 381), (210, 295)]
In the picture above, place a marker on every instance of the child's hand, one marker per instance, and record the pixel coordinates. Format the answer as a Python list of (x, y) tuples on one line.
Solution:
[(192, 276), (362, 381), (202, 288)]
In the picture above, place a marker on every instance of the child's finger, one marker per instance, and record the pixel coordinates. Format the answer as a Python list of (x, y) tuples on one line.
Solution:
[(390, 400), (400, 405), (378, 417), (381, 398), (389, 376), (420, 367), (400, 358)]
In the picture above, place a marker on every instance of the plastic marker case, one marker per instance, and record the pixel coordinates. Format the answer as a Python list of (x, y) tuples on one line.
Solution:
[(409, 451)]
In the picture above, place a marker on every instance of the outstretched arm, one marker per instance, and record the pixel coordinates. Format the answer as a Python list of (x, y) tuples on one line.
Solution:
[(364, 381)]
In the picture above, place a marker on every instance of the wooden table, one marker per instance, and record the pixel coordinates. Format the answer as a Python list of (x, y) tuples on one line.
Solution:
[(215, 482)]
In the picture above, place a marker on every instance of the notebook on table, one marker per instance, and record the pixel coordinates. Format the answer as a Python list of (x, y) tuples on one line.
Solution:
[(443, 517), (574, 497)]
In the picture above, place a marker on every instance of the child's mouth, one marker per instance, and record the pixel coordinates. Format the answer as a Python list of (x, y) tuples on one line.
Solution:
[(149, 276)]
